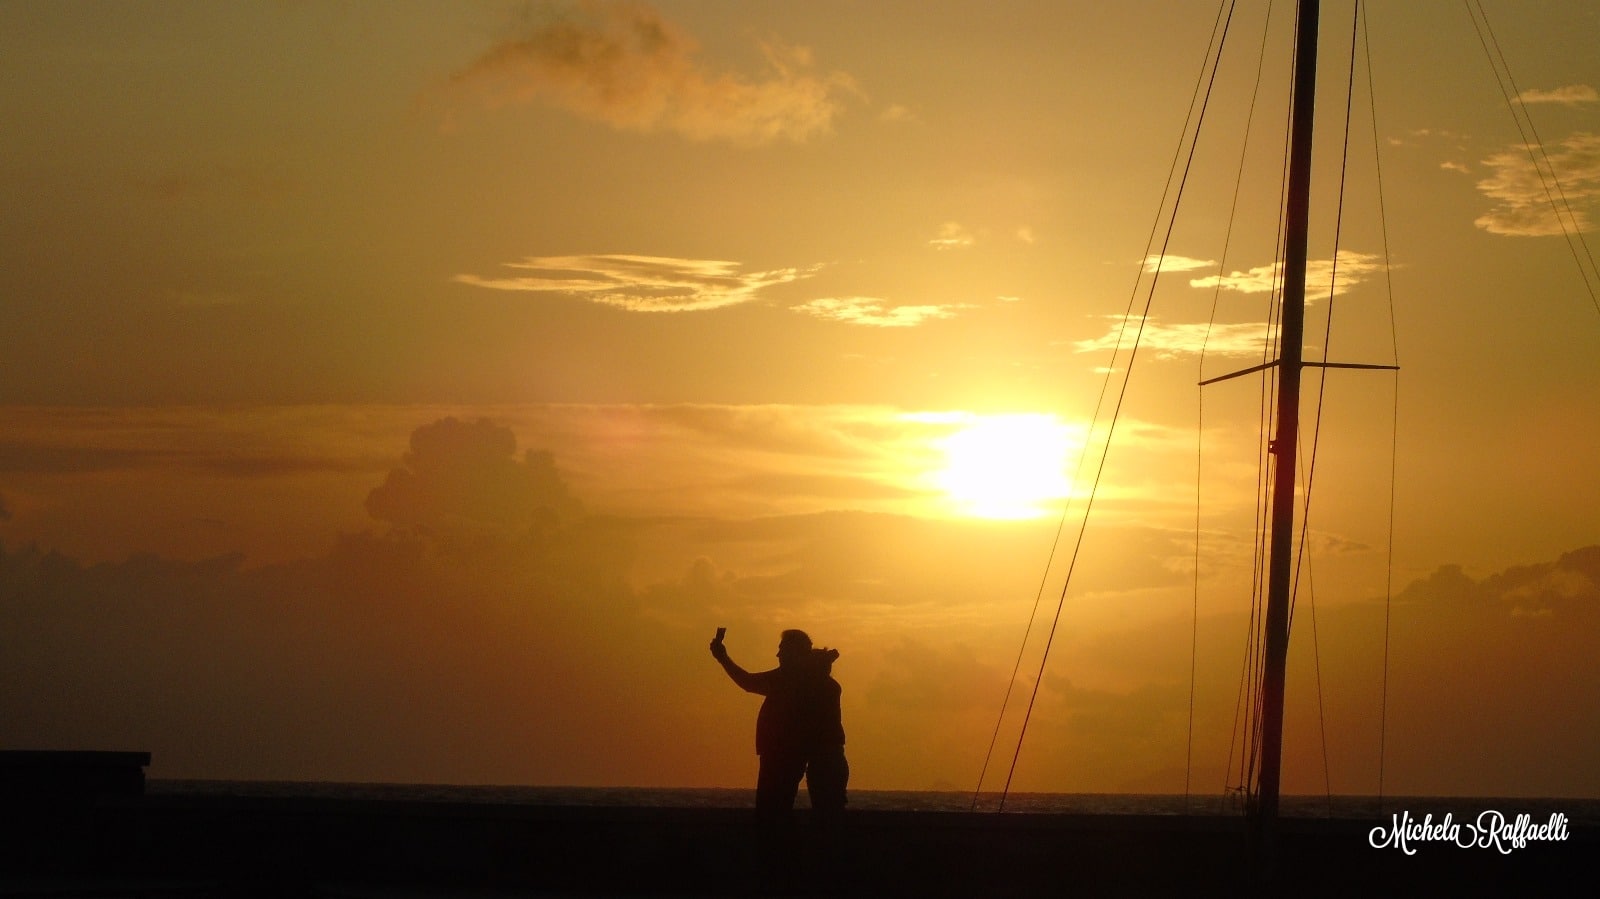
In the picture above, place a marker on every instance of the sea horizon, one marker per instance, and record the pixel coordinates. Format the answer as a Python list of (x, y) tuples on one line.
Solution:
[(1578, 810)]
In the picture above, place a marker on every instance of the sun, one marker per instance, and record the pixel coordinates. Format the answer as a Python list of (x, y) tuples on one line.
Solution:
[(1007, 466)]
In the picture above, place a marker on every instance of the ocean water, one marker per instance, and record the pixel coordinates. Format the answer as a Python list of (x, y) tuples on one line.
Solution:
[(1580, 812)]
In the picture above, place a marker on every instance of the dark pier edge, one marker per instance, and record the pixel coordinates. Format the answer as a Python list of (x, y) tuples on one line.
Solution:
[(32, 776), (122, 842)]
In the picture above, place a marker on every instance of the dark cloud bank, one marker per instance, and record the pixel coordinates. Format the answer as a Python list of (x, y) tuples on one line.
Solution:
[(487, 632)]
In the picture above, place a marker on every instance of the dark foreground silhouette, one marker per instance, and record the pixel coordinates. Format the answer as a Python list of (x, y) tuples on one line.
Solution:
[(799, 733), (94, 836)]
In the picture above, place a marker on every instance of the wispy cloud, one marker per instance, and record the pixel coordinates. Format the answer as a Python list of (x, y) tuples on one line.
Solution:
[(626, 66), (1522, 198), (897, 114), (1176, 264), (1172, 341), (1353, 269), (1568, 95), (641, 283), (952, 236), (875, 312)]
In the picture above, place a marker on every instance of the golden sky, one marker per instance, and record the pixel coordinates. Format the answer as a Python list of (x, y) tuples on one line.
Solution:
[(406, 391)]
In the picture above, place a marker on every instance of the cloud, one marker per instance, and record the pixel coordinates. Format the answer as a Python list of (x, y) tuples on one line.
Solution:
[(952, 236), (642, 283), (896, 114), (518, 660), (463, 476), (32, 457), (1568, 95), (943, 679), (1569, 586), (1523, 199), (874, 312), (817, 486), (1353, 269), (625, 66), (1242, 340), (1175, 264), (376, 661)]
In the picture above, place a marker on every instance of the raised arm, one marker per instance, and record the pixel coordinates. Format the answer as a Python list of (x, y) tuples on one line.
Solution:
[(752, 683)]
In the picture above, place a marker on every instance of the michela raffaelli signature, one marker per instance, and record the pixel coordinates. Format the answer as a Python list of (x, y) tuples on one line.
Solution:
[(1491, 830)]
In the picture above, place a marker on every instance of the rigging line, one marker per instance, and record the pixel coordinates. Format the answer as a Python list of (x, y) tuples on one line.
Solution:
[(1205, 344), (1394, 422), (1511, 96), (1388, 585), (1316, 665), (1116, 412), (1017, 667), (1218, 26), (1194, 622)]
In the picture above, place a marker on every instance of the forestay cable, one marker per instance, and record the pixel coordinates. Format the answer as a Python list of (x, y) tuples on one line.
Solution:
[(1115, 416), (1218, 41)]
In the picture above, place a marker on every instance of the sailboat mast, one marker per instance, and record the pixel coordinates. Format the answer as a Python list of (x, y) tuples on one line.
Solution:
[(1284, 441)]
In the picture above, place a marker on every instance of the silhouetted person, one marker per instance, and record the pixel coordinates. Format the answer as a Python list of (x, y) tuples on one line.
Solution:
[(827, 771), (799, 732)]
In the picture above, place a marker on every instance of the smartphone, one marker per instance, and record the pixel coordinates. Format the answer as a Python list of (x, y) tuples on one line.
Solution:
[(721, 632)]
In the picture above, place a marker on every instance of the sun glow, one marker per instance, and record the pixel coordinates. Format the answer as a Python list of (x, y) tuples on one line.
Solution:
[(1007, 466)]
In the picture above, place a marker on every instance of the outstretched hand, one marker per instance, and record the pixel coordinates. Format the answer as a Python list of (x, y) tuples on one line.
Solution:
[(718, 651)]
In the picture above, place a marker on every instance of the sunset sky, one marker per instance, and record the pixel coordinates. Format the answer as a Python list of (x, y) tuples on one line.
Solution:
[(407, 391)]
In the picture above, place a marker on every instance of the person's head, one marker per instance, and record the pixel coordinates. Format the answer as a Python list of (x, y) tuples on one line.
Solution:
[(823, 659), (793, 647)]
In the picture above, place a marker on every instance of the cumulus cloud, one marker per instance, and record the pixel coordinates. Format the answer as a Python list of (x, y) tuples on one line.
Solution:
[(946, 679), (1353, 269), (466, 476), (642, 283), (873, 312), (626, 66), (1569, 586), (1567, 95), (1523, 198), (1172, 341)]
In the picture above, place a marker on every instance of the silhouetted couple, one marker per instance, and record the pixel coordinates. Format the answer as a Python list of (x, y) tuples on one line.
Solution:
[(799, 732)]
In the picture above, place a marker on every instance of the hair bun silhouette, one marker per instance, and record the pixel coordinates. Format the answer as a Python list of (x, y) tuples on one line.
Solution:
[(824, 659)]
